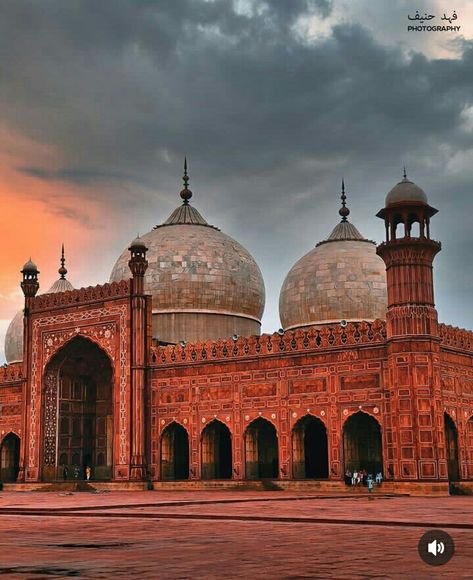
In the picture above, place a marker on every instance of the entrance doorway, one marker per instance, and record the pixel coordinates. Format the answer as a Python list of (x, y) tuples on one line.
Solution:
[(451, 443), (261, 450), (9, 458), (174, 453), (362, 446), (78, 413), (309, 449), (216, 451)]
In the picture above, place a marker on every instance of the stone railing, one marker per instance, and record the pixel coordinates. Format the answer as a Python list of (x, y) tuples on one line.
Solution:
[(83, 295), (310, 339), (455, 337), (11, 373)]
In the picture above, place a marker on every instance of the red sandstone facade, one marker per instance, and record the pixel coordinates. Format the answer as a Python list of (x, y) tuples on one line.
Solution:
[(95, 389)]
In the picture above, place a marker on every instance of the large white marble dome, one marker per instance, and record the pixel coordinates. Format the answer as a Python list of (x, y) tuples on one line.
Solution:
[(204, 284)]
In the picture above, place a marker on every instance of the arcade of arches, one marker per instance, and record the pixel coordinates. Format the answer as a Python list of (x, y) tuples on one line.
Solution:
[(362, 449), (78, 415)]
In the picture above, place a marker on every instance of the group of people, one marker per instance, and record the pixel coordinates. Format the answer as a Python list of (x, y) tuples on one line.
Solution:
[(362, 477), (76, 472)]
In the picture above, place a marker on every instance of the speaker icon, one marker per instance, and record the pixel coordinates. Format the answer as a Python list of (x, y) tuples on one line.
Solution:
[(436, 548)]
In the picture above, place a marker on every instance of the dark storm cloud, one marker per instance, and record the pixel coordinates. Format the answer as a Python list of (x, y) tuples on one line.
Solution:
[(76, 176), (270, 122)]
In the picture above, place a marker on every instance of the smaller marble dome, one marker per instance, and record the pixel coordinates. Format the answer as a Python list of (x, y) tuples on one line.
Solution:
[(406, 191), (342, 278), (14, 334)]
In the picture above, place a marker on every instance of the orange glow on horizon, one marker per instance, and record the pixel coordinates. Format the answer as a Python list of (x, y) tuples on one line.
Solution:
[(37, 217)]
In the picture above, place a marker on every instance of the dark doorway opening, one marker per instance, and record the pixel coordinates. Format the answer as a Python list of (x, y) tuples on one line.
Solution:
[(261, 450), (362, 445), (451, 443), (78, 413), (216, 451), (309, 449), (174, 453), (9, 458)]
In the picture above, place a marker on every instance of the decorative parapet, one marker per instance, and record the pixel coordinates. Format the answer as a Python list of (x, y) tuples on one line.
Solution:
[(82, 295), (299, 341), (455, 337), (11, 373)]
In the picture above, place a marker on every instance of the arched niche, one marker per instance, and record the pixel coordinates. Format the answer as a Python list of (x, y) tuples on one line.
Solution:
[(309, 449), (9, 458), (216, 451), (362, 444), (174, 453), (451, 444), (78, 413), (261, 450)]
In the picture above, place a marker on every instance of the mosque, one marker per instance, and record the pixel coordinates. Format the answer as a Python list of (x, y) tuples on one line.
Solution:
[(162, 373)]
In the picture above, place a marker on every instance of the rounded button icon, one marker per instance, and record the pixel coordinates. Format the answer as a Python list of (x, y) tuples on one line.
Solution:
[(436, 547)]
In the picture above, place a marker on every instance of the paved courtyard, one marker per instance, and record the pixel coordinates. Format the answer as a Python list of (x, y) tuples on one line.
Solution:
[(235, 534)]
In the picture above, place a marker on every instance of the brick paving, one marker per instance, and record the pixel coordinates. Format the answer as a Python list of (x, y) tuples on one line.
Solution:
[(178, 535)]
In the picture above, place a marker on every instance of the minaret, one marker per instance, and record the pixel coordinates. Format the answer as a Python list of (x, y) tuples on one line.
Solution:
[(140, 329), (408, 258), (30, 287), (414, 430)]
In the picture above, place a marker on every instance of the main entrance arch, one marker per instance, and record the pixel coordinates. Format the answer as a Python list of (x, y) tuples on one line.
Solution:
[(216, 451), (309, 449), (174, 453), (451, 443), (261, 450), (362, 445), (78, 413), (9, 458)]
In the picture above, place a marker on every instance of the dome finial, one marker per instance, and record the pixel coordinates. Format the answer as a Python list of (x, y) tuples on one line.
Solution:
[(186, 193), (404, 174), (62, 270), (344, 211)]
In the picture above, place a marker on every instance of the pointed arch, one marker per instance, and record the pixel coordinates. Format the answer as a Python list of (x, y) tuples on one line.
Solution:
[(216, 451), (78, 412), (261, 450), (174, 452), (309, 449), (451, 446), (362, 443), (9, 457)]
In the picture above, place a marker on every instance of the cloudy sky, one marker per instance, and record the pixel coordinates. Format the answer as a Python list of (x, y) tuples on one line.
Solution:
[(272, 101)]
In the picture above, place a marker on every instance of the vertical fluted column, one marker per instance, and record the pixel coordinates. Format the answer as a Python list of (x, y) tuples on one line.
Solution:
[(138, 265)]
